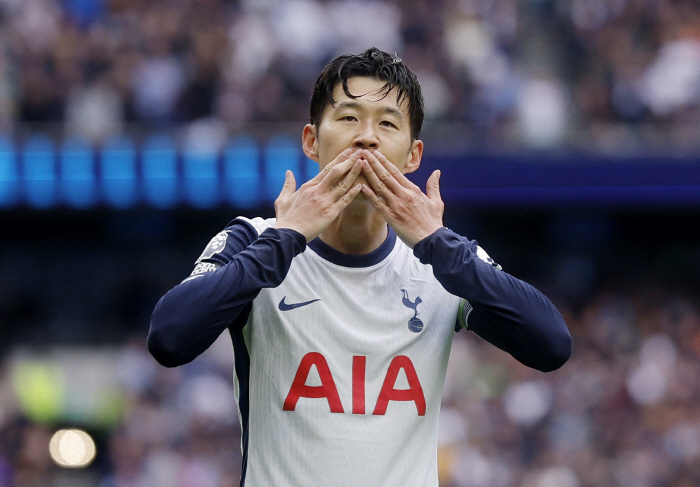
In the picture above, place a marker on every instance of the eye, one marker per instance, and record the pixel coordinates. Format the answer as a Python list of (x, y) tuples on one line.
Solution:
[(387, 123), (348, 118)]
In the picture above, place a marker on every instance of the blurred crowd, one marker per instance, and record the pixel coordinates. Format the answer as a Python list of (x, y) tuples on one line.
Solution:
[(544, 73), (610, 74), (74, 311), (622, 412)]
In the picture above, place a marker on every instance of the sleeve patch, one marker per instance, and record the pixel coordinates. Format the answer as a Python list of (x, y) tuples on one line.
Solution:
[(481, 253), (465, 308), (201, 269), (204, 267), (216, 245)]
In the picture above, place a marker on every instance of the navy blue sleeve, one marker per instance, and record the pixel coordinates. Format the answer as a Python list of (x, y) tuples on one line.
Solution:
[(190, 316), (507, 312)]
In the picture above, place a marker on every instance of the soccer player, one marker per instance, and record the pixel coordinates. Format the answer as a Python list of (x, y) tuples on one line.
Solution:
[(342, 309)]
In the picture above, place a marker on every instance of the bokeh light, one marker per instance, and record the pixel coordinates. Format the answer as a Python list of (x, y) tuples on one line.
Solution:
[(72, 448)]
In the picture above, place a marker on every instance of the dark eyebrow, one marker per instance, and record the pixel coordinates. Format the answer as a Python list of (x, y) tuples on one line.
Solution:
[(347, 104), (353, 104), (393, 111)]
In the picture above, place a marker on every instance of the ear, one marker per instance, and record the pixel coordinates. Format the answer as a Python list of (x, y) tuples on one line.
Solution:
[(414, 157), (309, 142)]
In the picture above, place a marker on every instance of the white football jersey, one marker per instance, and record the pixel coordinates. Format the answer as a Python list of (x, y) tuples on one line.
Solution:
[(347, 361)]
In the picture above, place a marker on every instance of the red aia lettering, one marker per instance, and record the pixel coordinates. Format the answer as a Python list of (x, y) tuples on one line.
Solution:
[(388, 393), (358, 384), (327, 388)]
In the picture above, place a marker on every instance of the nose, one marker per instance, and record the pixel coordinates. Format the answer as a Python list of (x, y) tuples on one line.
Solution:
[(366, 138)]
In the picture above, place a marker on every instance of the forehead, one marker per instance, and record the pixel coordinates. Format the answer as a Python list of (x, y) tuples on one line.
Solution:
[(370, 93)]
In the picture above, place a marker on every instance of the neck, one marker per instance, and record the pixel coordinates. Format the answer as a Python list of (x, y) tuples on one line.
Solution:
[(358, 229)]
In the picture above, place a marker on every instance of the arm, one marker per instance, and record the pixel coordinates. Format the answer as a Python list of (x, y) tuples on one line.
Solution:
[(190, 316), (188, 319), (507, 312)]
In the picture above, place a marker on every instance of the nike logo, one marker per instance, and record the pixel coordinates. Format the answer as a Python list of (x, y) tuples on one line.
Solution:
[(286, 307)]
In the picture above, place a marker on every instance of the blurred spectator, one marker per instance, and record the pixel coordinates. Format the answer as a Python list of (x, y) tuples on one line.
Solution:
[(621, 412), (589, 73), (632, 64)]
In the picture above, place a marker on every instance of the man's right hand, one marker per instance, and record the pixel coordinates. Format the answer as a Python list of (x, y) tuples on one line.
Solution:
[(318, 202)]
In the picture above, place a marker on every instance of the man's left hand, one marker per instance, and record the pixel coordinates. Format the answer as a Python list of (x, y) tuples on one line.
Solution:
[(412, 214)]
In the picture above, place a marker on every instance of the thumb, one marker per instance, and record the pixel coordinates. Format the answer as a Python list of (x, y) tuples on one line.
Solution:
[(290, 184), (432, 186)]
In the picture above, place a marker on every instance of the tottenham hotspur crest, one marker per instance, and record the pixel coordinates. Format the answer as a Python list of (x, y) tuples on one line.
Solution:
[(414, 324)]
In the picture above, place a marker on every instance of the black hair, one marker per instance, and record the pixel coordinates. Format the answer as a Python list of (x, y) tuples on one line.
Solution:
[(375, 64)]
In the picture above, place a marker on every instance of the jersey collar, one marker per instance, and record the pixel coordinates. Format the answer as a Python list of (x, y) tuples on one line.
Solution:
[(346, 260)]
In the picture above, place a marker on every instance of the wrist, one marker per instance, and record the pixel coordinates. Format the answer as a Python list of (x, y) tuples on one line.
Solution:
[(295, 228)]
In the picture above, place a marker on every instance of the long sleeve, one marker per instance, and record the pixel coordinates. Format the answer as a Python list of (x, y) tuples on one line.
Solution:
[(507, 312), (190, 316)]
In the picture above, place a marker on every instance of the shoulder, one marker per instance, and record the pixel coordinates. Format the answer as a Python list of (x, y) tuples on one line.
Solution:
[(238, 234), (258, 224)]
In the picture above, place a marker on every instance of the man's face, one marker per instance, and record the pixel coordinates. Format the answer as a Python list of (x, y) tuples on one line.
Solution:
[(371, 121)]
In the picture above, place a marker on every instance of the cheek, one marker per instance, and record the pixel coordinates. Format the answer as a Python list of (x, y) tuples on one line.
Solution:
[(330, 140)]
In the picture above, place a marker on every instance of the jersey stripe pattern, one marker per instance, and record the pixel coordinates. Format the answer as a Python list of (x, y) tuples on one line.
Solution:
[(340, 370), (340, 360)]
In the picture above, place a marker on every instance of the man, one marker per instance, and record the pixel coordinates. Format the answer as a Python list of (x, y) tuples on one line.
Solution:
[(342, 309)]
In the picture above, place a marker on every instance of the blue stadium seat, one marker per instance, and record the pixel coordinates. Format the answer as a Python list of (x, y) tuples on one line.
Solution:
[(118, 164), (242, 172), (159, 167), (77, 173), (8, 173), (39, 171), (201, 179), (281, 153)]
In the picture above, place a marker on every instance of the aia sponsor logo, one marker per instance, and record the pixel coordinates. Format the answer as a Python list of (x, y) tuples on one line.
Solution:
[(328, 390)]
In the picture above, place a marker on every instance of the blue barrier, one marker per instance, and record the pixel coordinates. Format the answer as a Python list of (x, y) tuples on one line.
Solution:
[(572, 179), (282, 153), (118, 164), (310, 168), (39, 171), (9, 179), (247, 174), (201, 177), (159, 168), (242, 172), (77, 173)]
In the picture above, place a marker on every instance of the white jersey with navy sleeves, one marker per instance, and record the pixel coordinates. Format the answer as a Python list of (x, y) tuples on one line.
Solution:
[(338, 376), (347, 364)]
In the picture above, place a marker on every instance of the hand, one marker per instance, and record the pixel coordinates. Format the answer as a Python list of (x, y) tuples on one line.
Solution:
[(318, 202), (412, 214)]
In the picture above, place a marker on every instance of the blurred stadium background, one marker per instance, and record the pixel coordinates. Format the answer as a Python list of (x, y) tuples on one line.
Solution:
[(568, 132)]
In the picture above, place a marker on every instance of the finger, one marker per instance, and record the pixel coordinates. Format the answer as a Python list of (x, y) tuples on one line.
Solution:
[(346, 183), (290, 185), (374, 198), (376, 184), (347, 198), (393, 170), (432, 187), (386, 174), (338, 168)]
